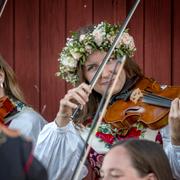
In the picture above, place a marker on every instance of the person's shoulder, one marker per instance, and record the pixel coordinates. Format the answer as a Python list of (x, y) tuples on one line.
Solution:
[(28, 116), (30, 113)]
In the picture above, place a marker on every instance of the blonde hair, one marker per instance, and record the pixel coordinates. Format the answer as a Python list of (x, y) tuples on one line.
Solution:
[(11, 87)]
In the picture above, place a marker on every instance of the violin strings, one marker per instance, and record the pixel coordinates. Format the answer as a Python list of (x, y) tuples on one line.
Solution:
[(156, 100)]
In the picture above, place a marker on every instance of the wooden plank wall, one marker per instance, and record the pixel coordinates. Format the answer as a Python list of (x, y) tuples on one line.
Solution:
[(33, 32)]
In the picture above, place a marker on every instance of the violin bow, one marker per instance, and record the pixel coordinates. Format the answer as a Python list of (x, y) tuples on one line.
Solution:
[(2, 6), (96, 122), (99, 116), (108, 55)]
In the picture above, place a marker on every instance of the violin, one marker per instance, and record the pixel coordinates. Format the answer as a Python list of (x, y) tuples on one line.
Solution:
[(148, 103), (6, 107)]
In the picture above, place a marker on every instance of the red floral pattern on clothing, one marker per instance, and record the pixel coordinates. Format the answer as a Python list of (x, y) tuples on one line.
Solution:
[(159, 138), (109, 138), (95, 161), (133, 133)]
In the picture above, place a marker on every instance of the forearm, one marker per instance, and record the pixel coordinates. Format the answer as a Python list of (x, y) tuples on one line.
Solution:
[(175, 140), (172, 151)]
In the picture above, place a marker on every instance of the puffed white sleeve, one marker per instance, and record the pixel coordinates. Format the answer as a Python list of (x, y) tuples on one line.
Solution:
[(29, 123), (59, 150), (172, 151)]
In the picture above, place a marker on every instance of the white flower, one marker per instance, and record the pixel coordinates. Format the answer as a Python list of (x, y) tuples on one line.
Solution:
[(99, 35), (111, 38), (58, 74), (78, 49), (88, 49), (68, 61), (75, 55), (69, 41), (132, 44), (82, 37), (126, 40)]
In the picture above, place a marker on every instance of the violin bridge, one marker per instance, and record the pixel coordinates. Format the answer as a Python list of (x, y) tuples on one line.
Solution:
[(136, 95)]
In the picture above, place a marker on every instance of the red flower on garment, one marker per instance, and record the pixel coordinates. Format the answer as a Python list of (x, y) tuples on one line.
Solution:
[(109, 138), (133, 133), (159, 138)]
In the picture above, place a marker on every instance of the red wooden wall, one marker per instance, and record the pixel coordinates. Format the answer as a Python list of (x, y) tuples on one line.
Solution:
[(32, 33)]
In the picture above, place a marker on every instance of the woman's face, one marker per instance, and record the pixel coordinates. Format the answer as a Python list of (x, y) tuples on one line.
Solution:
[(91, 66), (117, 165)]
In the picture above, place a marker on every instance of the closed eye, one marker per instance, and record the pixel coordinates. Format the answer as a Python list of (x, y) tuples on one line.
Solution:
[(112, 174), (91, 67)]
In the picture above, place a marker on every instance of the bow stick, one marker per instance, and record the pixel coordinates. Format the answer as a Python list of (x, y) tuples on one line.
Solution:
[(3, 4), (96, 122), (108, 55)]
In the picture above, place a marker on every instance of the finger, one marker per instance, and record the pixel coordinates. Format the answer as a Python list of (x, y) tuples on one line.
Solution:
[(178, 108), (79, 98), (174, 111), (67, 103), (82, 91), (86, 88), (174, 104), (75, 97), (71, 105), (84, 95)]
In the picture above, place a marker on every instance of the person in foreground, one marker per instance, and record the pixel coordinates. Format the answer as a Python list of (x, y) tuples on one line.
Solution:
[(137, 160), (60, 142), (22, 117), (17, 161)]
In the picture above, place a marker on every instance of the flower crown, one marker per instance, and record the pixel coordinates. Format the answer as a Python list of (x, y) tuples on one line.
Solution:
[(79, 47)]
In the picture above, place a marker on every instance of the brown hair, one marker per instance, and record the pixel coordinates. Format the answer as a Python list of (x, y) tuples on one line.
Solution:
[(11, 87), (131, 68), (147, 157)]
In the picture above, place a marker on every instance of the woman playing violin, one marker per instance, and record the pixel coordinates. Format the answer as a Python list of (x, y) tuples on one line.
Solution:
[(79, 61), (22, 117)]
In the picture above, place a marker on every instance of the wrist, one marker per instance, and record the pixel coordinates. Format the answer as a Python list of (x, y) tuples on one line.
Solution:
[(62, 119), (175, 140)]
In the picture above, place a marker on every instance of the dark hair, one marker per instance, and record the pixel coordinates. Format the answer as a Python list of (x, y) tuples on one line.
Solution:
[(147, 157)]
